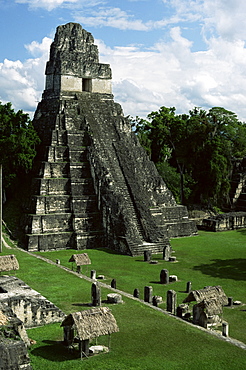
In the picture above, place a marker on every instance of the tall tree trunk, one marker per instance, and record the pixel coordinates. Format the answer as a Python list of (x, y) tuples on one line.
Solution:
[(181, 172), (1, 206)]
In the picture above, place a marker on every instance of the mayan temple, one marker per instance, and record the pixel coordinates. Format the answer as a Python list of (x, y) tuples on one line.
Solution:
[(95, 186)]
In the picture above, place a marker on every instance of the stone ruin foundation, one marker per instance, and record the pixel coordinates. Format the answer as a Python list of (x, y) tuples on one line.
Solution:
[(94, 184), (21, 307), (208, 309), (13, 341), (27, 304), (225, 221)]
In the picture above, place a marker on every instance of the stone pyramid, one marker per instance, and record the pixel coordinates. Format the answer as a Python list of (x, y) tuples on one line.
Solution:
[(95, 185)]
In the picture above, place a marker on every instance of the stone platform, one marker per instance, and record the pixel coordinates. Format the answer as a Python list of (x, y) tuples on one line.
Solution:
[(27, 304)]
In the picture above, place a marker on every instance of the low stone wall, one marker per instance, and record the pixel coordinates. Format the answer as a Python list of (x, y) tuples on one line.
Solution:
[(225, 221)]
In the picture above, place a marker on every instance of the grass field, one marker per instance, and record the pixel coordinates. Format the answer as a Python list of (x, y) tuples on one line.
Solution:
[(147, 339)]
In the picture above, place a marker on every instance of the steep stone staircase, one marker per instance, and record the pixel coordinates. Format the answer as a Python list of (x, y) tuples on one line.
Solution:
[(136, 241), (238, 192), (64, 204)]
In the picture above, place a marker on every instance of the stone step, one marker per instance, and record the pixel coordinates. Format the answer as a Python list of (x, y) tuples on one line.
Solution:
[(59, 138), (91, 222), (50, 204), (57, 154), (54, 169), (78, 155), (51, 241), (50, 223), (60, 122), (77, 139), (179, 229), (84, 205), (89, 240), (82, 186), (51, 186), (139, 249), (74, 123), (42, 204), (80, 170)]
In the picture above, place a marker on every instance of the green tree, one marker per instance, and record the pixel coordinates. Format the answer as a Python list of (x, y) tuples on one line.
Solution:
[(168, 136), (200, 146), (17, 143)]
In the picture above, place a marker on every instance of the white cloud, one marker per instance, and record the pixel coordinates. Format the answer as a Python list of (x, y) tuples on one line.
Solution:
[(46, 4), (221, 18), (216, 17), (227, 18), (110, 17), (36, 49), (23, 82), (170, 74), (53, 4), (117, 18)]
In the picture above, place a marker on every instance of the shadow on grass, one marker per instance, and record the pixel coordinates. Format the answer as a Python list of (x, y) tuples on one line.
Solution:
[(82, 304), (159, 259), (107, 250), (242, 231), (158, 282), (226, 269), (55, 351)]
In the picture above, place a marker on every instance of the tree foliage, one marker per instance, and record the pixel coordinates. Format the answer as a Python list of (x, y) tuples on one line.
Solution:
[(200, 147), (17, 143)]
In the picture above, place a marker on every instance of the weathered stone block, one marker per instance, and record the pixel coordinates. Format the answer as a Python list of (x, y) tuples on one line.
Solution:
[(148, 291), (114, 298), (171, 301), (14, 355), (173, 278), (164, 276)]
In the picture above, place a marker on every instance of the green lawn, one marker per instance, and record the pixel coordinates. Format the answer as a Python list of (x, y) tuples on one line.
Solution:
[(147, 339)]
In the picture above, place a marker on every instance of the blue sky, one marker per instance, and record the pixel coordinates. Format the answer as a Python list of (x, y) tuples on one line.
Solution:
[(181, 53)]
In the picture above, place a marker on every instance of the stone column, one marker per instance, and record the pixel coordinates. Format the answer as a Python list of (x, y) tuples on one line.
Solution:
[(147, 256), (225, 329), (93, 274), (166, 253), (136, 293), (182, 309), (148, 290), (113, 284), (188, 287), (164, 276), (96, 294), (171, 301), (156, 300), (230, 301)]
